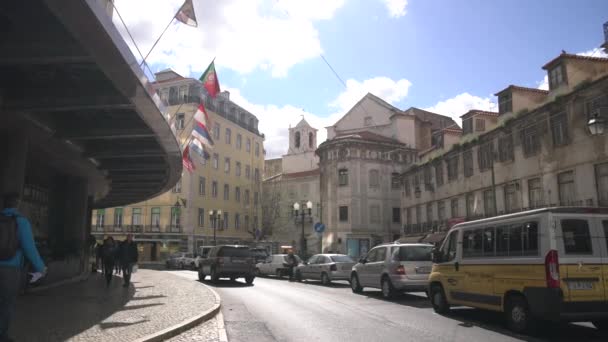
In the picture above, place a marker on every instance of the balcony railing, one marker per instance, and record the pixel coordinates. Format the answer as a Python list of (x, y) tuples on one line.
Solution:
[(173, 229)]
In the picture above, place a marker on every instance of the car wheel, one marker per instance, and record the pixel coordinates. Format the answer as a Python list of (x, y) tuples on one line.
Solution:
[(517, 314), (438, 299), (214, 276), (299, 276), (388, 291), (354, 284), (601, 325), (232, 278), (279, 273), (201, 275), (325, 279), (181, 265), (249, 280)]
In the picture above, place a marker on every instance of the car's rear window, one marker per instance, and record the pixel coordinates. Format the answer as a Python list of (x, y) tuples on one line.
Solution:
[(341, 258), (242, 252), (414, 253), (259, 253)]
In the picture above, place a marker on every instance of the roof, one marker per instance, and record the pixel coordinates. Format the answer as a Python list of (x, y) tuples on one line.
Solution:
[(302, 174), (573, 56), (457, 130), (478, 112), (367, 135), (437, 121), (514, 87), (371, 97), (303, 123)]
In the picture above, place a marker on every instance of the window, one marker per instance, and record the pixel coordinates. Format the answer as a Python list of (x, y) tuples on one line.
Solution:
[(605, 224), (228, 136), (535, 193), (472, 243), (226, 192), (441, 210), (101, 215), (452, 168), (237, 170), (577, 239), (439, 174), (396, 215), (227, 165), (505, 148), (511, 201), (406, 186), (216, 161), (531, 140), (556, 76), (201, 217), (488, 202), (237, 221), (480, 125), (183, 93), (311, 140), (247, 171), (248, 145), (428, 177), (136, 217), (239, 141), (429, 213), (454, 207), (256, 174), (237, 193), (408, 216), (467, 160), (505, 105), (201, 186), (226, 221), (381, 254), (367, 121), (257, 149), (297, 140), (374, 214), (255, 198), (565, 184), (485, 155), (519, 239), (395, 181), (559, 129), (419, 214), (180, 121), (489, 241), (601, 180), (343, 214), (470, 204), (467, 126), (374, 178), (216, 131), (247, 196), (118, 217), (178, 187), (449, 247), (343, 177), (155, 219), (246, 226), (214, 189)]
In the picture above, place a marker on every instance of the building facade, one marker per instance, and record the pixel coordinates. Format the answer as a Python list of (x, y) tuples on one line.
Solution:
[(228, 184), (360, 168), (540, 152)]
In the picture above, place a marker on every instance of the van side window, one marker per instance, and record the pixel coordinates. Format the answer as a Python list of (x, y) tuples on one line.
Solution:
[(488, 242), (502, 241), (449, 248), (472, 243), (605, 224), (519, 239), (530, 238), (371, 256), (577, 239)]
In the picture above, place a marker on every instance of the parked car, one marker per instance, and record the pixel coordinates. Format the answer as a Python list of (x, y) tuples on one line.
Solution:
[(547, 264), (228, 261), (260, 254), (393, 268), (276, 264), (326, 267), (181, 260), (203, 251)]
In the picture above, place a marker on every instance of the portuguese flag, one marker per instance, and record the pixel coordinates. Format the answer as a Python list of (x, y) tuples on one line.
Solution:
[(210, 81)]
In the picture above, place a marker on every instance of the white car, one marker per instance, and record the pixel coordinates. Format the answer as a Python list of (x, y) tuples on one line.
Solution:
[(275, 264), (181, 260)]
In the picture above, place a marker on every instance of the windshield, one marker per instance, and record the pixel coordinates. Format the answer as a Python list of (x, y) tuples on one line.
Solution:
[(239, 252), (414, 253), (341, 258)]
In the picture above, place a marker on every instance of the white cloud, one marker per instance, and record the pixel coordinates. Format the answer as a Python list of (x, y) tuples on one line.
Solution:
[(544, 84), (462, 103), (387, 89), (597, 52), (396, 8)]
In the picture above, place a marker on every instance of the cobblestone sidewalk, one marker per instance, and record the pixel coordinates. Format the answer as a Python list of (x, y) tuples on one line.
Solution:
[(88, 311)]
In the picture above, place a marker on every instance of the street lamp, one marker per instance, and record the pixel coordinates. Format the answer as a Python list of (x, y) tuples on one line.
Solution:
[(176, 215), (215, 217), (596, 125), (302, 214)]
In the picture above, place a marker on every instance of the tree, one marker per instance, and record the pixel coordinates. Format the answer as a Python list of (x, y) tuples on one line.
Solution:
[(271, 205)]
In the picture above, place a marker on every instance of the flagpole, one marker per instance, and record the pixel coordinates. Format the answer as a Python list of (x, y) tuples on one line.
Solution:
[(156, 42)]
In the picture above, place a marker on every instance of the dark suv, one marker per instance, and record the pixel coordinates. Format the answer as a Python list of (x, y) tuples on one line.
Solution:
[(228, 261)]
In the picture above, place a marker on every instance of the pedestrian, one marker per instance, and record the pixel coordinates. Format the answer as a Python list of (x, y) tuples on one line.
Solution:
[(16, 242), (99, 256), (292, 262), (128, 258), (109, 258), (117, 264)]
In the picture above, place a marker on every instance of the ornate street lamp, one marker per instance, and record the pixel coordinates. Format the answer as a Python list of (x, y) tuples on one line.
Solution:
[(302, 214), (215, 217)]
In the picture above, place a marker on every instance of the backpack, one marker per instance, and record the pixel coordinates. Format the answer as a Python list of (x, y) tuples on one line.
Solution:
[(9, 239)]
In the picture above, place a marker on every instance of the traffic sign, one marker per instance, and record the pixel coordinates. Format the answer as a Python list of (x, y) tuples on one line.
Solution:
[(319, 227)]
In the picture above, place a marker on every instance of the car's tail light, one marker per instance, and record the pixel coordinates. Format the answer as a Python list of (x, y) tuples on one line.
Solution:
[(552, 269), (400, 270), (333, 267)]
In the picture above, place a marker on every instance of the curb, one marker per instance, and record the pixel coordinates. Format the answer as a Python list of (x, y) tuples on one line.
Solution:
[(186, 324)]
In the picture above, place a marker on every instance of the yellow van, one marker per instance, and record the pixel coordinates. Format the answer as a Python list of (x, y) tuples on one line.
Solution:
[(547, 263)]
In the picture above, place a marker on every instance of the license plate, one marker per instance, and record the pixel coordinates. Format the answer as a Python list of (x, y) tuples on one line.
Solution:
[(424, 269), (580, 285)]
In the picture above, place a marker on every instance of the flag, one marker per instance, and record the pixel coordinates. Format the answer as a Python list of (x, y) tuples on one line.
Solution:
[(186, 14), (202, 116), (196, 146), (186, 160), (200, 129), (210, 81)]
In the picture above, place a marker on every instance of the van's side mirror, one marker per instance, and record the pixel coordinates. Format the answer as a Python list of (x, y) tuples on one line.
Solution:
[(363, 260), (437, 255)]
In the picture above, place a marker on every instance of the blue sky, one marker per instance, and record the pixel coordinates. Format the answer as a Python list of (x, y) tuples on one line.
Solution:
[(448, 56)]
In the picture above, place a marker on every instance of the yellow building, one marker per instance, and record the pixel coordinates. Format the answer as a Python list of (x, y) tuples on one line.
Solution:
[(228, 183)]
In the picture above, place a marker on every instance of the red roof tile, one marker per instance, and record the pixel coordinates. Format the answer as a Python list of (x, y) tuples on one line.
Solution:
[(302, 174), (479, 112), (514, 87), (573, 56), (367, 135)]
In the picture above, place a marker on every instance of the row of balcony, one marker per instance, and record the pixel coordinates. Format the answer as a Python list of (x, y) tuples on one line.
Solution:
[(174, 229)]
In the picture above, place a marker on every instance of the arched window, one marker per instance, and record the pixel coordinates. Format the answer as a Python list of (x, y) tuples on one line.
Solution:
[(310, 140), (297, 140)]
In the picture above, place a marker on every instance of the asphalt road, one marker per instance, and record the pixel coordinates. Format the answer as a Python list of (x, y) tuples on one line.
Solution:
[(278, 310)]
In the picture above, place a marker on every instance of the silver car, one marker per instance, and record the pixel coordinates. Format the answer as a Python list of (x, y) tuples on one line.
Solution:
[(181, 260), (276, 264), (326, 267), (393, 268)]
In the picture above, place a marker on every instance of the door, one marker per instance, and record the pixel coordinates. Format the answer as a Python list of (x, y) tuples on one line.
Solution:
[(581, 260), (377, 267), (451, 276), (306, 270), (321, 265), (364, 271)]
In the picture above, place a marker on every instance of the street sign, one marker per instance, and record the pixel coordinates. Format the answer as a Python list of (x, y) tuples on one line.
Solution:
[(319, 227)]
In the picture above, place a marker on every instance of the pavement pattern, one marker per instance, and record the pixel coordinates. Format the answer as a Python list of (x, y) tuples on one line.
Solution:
[(89, 311)]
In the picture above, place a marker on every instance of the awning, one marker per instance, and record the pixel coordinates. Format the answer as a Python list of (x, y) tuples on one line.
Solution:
[(411, 239), (434, 237)]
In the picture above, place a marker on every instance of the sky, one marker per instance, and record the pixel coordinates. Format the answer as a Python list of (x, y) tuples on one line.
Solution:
[(445, 56)]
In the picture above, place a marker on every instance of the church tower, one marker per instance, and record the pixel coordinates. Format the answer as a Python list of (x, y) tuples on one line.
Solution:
[(302, 145)]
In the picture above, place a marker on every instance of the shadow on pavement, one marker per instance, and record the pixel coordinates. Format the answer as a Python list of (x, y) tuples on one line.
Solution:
[(407, 299), (333, 284), (119, 324), (227, 283)]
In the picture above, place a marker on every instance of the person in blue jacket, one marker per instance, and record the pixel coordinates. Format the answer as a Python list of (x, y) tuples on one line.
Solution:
[(10, 269)]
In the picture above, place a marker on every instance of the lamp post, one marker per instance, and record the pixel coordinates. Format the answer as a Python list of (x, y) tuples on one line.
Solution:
[(302, 214), (215, 216), (176, 215)]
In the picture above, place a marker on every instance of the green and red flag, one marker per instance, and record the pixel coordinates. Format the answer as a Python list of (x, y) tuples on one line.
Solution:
[(210, 81)]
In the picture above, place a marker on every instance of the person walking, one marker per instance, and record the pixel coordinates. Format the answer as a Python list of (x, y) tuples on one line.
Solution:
[(109, 251), (128, 258), (292, 262), (16, 243)]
